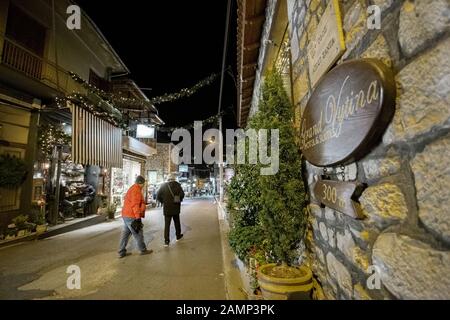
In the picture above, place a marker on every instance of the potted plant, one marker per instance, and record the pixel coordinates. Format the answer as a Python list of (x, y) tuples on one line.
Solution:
[(283, 200), (41, 224), (11, 233), (111, 209), (278, 202), (21, 224)]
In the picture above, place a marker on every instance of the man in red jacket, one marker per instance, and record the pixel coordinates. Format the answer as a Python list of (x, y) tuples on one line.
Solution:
[(132, 213)]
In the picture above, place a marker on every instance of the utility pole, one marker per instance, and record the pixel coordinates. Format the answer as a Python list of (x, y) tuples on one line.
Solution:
[(222, 78)]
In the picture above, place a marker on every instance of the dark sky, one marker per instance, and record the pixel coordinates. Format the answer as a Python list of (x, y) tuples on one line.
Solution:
[(169, 45)]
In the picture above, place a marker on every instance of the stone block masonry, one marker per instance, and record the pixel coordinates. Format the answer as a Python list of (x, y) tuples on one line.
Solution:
[(406, 232)]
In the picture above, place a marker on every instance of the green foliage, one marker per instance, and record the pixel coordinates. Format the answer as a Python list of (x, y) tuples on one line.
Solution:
[(244, 194), (13, 171), (20, 222), (111, 210), (40, 216), (271, 206), (243, 240)]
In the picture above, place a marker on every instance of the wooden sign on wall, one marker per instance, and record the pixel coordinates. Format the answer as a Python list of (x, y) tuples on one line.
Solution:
[(338, 196), (327, 44), (347, 113)]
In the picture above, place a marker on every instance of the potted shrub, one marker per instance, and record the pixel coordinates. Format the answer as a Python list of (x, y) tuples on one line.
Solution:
[(41, 223), (283, 200), (20, 222), (11, 233), (111, 209), (276, 204)]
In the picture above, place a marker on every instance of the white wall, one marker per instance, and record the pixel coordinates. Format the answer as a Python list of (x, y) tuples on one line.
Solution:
[(78, 50)]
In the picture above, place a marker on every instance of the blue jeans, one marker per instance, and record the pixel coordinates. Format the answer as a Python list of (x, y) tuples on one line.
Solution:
[(126, 232)]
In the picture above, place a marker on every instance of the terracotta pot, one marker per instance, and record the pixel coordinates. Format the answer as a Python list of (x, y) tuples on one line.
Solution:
[(295, 286)]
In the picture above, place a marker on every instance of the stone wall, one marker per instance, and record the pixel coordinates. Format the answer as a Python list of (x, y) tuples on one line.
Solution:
[(161, 161), (405, 237)]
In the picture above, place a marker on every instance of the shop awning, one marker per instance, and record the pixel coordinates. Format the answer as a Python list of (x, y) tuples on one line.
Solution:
[(135, 146), (251, 18), (95, 141)]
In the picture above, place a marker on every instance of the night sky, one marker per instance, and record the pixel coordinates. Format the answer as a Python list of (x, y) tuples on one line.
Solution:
[(169, 45)]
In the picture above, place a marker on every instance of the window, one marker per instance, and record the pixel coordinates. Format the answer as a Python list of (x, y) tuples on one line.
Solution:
[(99, 82), (26, 31)]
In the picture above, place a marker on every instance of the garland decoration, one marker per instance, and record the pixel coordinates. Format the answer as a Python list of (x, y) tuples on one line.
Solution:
[(118, 101), (212, 119), (103, 104), (49, 137), (122, 102), (186, 92), (13, 171), (98, 109)]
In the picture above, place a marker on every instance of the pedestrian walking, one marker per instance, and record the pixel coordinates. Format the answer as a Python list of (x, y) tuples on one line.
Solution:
[(170, 194), (132, 213)]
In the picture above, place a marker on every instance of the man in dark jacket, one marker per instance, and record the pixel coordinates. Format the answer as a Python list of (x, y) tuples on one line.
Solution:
[(171, 195)]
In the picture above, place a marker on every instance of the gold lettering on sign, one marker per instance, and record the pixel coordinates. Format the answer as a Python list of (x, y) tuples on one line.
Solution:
[(336, 111)]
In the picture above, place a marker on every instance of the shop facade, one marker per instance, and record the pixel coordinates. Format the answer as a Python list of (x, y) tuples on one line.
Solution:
[(135, 154)]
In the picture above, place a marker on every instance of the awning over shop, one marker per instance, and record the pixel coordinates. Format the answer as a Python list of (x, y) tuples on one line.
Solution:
[(251, 18), (137, 147), (95, 141)]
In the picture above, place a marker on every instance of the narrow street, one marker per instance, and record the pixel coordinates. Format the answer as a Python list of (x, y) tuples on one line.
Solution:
[(189, 269)]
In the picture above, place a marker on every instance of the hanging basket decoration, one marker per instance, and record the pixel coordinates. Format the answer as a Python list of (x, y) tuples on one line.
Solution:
[(13, 171)]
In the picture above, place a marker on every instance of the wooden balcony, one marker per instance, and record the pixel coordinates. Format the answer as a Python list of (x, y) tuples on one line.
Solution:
[(32, 73), (22, 60)]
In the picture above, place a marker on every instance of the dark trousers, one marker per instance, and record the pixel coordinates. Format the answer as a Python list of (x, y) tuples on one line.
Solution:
[(168, 220)]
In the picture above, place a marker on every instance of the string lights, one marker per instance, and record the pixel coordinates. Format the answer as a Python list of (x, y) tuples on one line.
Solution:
[(49, 137), (115, 118), (144, 104), (213, 119), (97, 110)]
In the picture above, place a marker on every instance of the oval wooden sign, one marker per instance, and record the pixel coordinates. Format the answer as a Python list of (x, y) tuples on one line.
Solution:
[(348, 112)]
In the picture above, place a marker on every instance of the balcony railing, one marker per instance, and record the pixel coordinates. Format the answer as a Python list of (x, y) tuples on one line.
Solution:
[(21, 59)]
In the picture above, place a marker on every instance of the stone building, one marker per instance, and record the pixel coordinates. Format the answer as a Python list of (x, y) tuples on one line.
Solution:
[(159, 165), (405, 236)]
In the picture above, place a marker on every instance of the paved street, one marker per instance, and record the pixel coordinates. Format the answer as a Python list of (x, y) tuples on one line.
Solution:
[(189, 269)]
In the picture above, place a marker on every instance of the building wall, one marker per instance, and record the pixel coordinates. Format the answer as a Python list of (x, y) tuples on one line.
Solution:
[(3, 14), (406, 232), (17, 136), (78, 51), (161, 161)]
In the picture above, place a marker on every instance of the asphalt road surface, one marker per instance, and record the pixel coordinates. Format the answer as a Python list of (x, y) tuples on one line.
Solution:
[(190, 269)]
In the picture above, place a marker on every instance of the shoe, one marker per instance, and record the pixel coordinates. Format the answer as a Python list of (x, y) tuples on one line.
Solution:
[(166, 244), (143, 253), (124, 255), (180, 237)]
